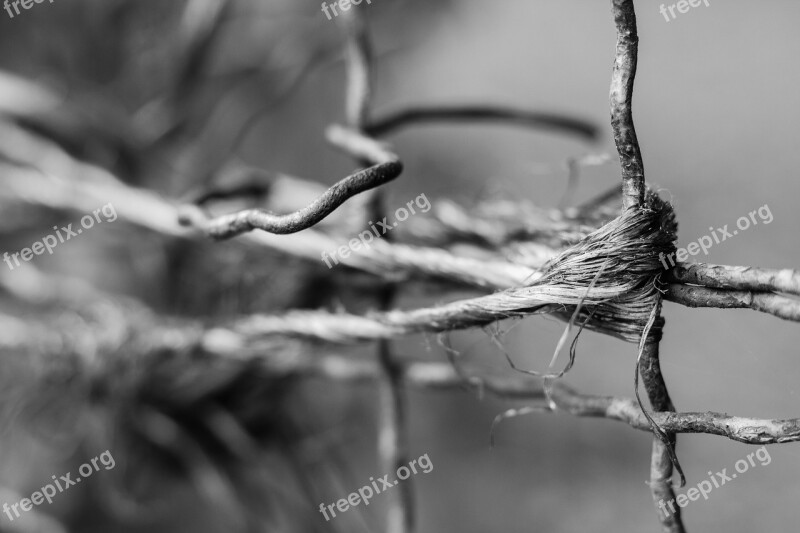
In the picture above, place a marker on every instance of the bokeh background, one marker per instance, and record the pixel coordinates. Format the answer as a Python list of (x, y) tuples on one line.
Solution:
[(716, 108)]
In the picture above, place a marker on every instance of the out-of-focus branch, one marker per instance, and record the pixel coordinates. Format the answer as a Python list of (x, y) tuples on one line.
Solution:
[(392, 424), (90, 127), (395, 121), (360, 69), (149, 210), (201, 26)]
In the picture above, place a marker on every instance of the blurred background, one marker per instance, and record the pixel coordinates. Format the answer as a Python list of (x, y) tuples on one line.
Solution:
[(716, 112)]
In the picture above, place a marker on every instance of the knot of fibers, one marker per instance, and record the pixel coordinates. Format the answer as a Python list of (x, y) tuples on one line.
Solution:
[(615, 271), (612, 274)]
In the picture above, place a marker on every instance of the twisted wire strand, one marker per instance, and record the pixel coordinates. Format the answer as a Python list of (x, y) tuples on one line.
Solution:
[(620, 302), (112, 322), (55, 180)]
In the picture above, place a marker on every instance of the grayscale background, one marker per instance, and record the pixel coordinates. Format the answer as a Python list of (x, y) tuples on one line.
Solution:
[(716, 108)]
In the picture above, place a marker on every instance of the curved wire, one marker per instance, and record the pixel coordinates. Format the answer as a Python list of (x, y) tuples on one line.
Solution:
[(386, 167)]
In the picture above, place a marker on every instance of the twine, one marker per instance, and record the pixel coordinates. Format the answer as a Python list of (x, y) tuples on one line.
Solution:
[(619, 301)]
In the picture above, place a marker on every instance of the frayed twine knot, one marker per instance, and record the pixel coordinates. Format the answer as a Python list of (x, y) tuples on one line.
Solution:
[(612, 277), (626, 254)]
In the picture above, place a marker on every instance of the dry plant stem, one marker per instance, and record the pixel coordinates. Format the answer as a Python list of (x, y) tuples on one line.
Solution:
[(660, 463), (252, 334), (633, 191), (442, 376), (386, 166), (54, 183), (227, 226), (764, 302), (148, 210), (343, 328), (737, 277), (621, 96), (471, 113), (392, 427), (447, 225), (201, 26), (744, 430), (123, 319)]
